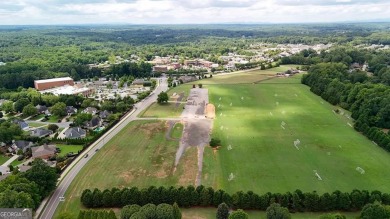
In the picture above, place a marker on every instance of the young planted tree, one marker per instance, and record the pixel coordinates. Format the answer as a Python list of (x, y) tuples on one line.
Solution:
[(275, 211), (162, 98), (223, 211), (239, 214)]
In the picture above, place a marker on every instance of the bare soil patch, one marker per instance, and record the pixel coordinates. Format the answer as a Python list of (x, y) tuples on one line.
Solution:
[(189, 164)]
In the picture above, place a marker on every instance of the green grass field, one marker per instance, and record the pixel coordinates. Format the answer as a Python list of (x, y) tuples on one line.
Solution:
[(37, 117), (177, 131), (3, 159), (143, 157), (263, 157), (65, 149), (167, 110)]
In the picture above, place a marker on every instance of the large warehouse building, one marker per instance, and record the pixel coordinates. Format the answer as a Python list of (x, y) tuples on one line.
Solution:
[(52, 83)]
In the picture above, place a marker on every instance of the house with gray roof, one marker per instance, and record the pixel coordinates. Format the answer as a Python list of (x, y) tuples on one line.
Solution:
[(41, 132), (93, 123), (22, 124), (70, 110), (42, 109), (75, 132), (20, 145), (104, 114), (90, 110)]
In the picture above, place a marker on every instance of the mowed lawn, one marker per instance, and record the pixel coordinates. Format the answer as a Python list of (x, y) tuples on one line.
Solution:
[(3, 159), (166, 110), (139, 156), (65, 149), (263, 157)]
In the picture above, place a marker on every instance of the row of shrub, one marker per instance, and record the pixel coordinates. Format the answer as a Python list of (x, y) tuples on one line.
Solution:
[(190, 196)]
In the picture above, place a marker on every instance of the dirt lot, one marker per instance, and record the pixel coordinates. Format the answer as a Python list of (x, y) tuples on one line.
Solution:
[(196, 103)]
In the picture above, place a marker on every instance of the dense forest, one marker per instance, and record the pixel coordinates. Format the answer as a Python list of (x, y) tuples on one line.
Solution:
[(39, 52)]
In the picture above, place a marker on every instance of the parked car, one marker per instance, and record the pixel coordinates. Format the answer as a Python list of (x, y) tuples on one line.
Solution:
[(86, 156)]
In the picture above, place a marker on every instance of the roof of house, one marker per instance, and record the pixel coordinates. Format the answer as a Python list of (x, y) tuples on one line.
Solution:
[(41, 132), (71, 109), (43, 150), (53, 80), (23, 144), (21, 123), (41, 108), (90, 110), (75, 132), (104, 114), (94, 122)]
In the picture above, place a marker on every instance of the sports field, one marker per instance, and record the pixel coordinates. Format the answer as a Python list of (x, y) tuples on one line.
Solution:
[(259, 124)]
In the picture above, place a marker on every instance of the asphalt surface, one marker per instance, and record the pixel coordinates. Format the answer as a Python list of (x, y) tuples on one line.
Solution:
[(68, 176)]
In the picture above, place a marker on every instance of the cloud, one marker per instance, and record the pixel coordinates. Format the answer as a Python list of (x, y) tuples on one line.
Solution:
[(327, 2), (189, 11)]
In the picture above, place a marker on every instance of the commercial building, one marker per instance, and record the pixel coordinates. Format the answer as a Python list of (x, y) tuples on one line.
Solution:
[(52, 83), (70, 90)]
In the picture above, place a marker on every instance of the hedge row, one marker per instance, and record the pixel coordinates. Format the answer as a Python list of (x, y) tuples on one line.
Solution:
[(161, 211), (202, 196)]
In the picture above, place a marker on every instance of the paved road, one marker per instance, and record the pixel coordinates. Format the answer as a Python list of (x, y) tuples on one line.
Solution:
[(71, 172)]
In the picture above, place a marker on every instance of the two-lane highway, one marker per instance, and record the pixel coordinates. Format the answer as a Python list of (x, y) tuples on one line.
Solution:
[(70, 173)]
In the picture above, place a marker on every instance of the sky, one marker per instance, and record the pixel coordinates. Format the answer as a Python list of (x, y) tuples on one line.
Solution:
[(29, 12)]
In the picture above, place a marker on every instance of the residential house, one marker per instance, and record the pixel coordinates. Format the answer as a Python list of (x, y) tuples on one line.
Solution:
[(104, 114), (22, 124), (75, 132), (42, 109), (175, 66), (93, 123), (43, 151), (70, 110), (90, 110), (41, 132), (20, 145)]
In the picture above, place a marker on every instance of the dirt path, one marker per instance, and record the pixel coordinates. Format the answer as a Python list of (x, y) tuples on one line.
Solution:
[(171, 125), (197, 128)]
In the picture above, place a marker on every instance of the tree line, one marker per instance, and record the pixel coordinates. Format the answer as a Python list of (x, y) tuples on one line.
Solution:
[(27, 190), (190, 196)]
